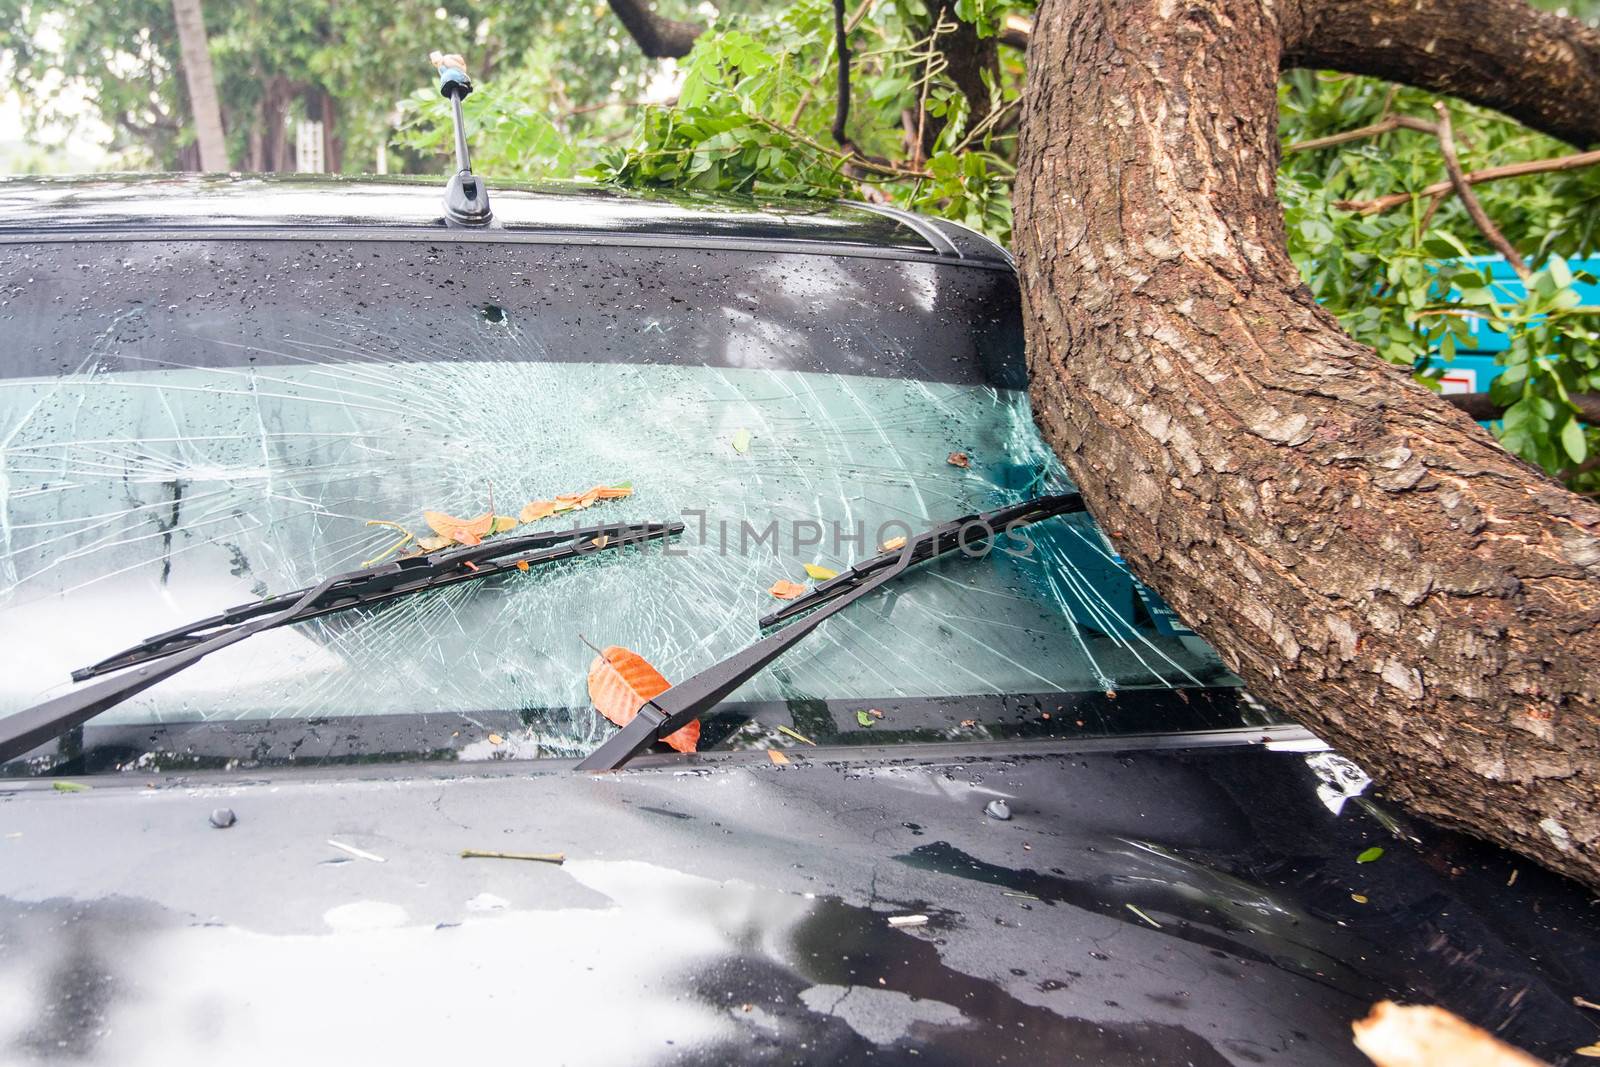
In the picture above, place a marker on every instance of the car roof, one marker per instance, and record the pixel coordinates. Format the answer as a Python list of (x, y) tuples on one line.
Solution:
[(183, 205)]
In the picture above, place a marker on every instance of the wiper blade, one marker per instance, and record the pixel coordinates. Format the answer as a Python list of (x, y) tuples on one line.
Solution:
[(178, 649), (387, 581), (935, 542), (681, 704)]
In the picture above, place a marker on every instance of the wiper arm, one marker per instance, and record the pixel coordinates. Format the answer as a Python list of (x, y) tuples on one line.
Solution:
[(681, 704), (179, 649)]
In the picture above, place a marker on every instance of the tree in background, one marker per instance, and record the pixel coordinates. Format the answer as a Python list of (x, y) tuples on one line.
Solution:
[(343, 63), (204, 108)]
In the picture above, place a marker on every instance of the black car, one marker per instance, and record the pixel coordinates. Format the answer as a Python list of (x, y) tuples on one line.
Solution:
[(1000, 806)]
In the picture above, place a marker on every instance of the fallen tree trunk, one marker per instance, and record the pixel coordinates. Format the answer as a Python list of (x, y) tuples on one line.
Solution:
[(1359, 551)]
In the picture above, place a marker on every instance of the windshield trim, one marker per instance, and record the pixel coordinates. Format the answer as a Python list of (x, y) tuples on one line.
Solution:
[(422, 234), (1284, 737)]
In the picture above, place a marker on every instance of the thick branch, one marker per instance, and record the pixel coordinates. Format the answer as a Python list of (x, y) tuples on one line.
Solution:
[(1366, 558), (1541, 69), (657, 36)]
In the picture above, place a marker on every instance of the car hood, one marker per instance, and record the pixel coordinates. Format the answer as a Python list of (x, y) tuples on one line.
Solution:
[(1198, 905)]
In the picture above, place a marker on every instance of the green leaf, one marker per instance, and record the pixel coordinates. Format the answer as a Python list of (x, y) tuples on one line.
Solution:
[(1370, 854), (71, 787), (1573, 440), (863, 718), (1560, 273)]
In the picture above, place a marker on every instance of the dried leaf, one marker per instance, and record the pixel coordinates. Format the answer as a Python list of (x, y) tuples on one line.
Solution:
[(496, 739), (894, 544), (613, 492), (784, 589), (467, 537), (449, 526), (502, 523), (777, 757), (1370, 854), (1588, 1051), (864, 719), (522, 565), (563, 505), (820, 573), (1359, 898), (536, 510), (958, 459), (741, 442), (1423, 1036), (875, 713), (432, 544), (621, 681), (601, 541), (969, 723)]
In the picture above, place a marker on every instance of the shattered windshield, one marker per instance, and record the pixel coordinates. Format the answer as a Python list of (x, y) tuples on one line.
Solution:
[(188, 426)]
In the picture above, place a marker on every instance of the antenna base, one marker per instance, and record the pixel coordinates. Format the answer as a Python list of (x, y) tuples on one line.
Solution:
[(466, 200)]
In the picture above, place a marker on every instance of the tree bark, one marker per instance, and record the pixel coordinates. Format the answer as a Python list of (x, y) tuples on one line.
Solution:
[(1365, 557), (1541, 69), (657, 36), (204, 105)]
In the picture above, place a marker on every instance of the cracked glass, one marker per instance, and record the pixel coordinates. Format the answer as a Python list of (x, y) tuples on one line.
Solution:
[(190, 425)]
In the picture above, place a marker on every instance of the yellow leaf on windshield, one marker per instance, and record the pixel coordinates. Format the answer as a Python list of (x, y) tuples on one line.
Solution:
[(820, 573)]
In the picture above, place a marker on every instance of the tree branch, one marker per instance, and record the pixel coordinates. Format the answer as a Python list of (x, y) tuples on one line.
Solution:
[(1483, 409), (657, 36), (1540, 68), (1393, 122), (1469, 199), (841, 110), (1381, 204)]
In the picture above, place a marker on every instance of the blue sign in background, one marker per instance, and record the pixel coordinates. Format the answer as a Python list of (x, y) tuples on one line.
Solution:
[(1473, 369)]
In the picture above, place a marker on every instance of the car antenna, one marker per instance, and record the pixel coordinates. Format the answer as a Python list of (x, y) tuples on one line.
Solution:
[(466, 198)]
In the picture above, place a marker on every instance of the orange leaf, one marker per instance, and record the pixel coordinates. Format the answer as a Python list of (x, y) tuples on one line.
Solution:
[(612, 492), (449, 526), (538, 509), (621, 681), (958, 459), (784, 589), (466, 537), (894, 544)]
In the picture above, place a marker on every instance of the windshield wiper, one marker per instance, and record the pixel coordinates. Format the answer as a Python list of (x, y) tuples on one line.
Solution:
[(681, 704), (162, 656)]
